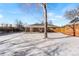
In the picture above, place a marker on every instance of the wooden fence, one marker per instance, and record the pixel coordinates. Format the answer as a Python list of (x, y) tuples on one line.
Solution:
[(68, 30)]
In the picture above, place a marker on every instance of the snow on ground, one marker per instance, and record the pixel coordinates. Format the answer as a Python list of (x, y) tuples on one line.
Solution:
[(34, 44)]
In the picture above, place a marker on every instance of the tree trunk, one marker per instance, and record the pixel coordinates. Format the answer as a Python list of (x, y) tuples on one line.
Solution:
[(74, 30), (45, 19)]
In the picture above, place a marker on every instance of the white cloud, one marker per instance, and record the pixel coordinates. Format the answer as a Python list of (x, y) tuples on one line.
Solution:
[(1, 16), (69, 7), (60, 17), (15, 12), (52, 16), (56, 19)]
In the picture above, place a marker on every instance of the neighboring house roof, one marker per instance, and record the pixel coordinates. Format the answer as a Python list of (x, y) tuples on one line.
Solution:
[(41, 25)]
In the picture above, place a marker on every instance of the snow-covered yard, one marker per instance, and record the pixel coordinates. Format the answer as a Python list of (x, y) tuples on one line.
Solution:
[(34, 44)]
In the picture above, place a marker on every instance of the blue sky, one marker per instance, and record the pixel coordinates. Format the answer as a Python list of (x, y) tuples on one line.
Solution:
[(30, 14)]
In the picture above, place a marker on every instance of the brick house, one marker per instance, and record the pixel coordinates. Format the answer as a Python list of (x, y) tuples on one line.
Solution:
[(39, 28)]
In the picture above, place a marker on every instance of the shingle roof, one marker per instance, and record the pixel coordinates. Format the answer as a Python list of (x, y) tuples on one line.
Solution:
[(41, 25)]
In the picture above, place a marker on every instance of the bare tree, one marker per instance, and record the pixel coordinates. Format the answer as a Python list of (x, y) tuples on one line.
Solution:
[(44, 5), (45, 19), (49, 22), (19, 24), (73, 15)]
